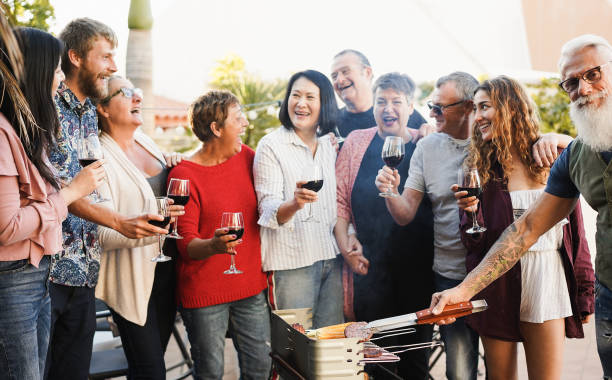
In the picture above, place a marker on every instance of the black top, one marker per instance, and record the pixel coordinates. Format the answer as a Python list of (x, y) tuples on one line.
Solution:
[(349, 121), (158, 182), (400, 277)]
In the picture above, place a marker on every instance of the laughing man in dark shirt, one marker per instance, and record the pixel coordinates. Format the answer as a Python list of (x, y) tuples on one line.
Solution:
[(352, 78)]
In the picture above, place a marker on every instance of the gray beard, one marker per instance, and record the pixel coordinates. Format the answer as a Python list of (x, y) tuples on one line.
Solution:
[(594, 125)]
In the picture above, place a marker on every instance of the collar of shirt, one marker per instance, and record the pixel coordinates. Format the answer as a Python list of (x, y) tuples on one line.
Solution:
[(288, 136), (69, 98)]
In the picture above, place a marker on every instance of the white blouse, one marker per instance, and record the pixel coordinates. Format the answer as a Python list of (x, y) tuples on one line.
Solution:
[(280, 158)]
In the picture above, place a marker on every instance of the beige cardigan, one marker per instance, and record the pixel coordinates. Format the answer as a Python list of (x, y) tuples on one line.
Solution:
[(126, 270)]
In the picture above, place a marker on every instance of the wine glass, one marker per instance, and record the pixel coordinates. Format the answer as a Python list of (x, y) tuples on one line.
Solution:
[(89, 151), (392, 154), (161, 207), (469, 180), (178, 191), (234, 222), (313, 176), (339, 137)]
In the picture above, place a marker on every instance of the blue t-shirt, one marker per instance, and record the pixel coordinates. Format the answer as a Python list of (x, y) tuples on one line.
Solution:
[(559, 182)]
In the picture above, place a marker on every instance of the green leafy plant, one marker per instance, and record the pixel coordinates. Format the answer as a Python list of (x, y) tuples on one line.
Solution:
[(231, 74), (33, 13), (553, 106)]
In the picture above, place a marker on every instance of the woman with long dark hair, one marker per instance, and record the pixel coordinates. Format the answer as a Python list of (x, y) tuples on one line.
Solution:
[(549, 294), (297, 242), (32, 206)]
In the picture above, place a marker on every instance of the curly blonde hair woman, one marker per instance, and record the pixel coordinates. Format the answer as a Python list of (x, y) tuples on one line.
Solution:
[(516, 129), (549, 294)]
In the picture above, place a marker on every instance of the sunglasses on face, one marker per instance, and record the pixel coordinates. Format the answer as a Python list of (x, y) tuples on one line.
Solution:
[(590, 76), (127, 92), (439, 109)]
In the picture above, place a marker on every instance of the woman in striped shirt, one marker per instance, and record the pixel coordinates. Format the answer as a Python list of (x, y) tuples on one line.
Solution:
[(298, 252)]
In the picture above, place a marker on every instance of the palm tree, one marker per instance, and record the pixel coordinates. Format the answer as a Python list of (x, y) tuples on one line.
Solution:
[(139, 60), (260, 96)]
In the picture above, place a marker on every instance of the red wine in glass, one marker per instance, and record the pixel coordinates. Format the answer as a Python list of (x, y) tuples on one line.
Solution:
[(234, 223), (469, 180), (160, 206), (393, 161), (392, 154), (179, 199), (89, 150), (86, 161), (471, 191), (178, 191), (160, 223), (312, 175), (315, 185), (238, 231)]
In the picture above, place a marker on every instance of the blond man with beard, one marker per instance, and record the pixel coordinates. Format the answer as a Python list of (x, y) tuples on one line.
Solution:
[(88, 62), (583, 168)]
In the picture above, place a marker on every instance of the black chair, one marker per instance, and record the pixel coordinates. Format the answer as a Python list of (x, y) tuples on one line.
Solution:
[(111, 363)]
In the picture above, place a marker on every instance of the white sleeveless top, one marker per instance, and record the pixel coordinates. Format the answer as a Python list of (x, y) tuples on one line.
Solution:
[(544, 293)]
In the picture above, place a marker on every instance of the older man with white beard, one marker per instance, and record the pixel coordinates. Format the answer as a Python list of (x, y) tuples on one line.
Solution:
[(583, 168)]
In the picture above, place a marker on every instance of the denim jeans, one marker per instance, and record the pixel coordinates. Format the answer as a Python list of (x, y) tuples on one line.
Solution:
[(249, 327), (25, 319), (318, 286), (460, 341), (603, 327)]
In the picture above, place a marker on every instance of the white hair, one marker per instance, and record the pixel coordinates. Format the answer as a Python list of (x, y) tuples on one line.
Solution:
[(578, 43), (593, 123)]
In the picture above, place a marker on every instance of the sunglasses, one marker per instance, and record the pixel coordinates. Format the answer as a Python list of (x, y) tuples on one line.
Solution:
[(127, 92), (590, 76), (438, 109)]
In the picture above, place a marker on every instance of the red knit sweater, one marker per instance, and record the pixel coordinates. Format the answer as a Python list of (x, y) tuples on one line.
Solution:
[(227, 187)]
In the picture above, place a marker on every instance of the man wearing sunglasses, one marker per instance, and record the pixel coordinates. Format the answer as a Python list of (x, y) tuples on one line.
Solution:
[(352, 79), (433, 169), (583, 168)]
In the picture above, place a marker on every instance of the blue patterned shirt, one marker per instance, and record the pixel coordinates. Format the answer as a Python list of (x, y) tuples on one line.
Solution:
[(79, 263)]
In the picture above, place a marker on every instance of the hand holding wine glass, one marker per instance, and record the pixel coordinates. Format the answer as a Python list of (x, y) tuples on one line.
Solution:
[(86, 181), (311, 179), (161, 206), (234, 223), (89, 151), (178, 191), (392, 154), (469, 181)]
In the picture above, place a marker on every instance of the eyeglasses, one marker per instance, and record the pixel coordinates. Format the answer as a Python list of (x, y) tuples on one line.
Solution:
[(590, 76), (438, 109), (127, 92)]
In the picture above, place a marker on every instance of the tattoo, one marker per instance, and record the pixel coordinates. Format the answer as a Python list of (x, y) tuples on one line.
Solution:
[(502, 256)]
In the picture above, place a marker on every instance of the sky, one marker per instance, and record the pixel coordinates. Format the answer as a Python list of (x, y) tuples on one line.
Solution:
[(422, 38)]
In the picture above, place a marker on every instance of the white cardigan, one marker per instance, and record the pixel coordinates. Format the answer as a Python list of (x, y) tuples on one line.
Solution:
[(126, 270)]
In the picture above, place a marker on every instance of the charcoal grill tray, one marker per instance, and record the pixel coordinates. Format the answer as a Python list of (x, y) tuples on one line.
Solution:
[(317, 359)]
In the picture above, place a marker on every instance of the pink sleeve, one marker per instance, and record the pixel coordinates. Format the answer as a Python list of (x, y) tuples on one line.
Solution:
[(19, 222), (343, 181)]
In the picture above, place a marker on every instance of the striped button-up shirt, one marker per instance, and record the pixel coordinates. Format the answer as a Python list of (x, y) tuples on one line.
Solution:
[(279, 162)]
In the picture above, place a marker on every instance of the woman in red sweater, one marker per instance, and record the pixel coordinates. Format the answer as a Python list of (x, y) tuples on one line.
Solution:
[(221, 178)]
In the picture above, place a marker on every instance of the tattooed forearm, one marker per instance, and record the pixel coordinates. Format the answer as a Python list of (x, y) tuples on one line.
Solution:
[(501, 257)]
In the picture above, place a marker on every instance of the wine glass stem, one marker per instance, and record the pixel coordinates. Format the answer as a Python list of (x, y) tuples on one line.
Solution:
[(233, 265), (474, 222), (159, 241), (310, 211)]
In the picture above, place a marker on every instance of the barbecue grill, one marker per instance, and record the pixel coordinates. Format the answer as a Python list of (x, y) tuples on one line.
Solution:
[(298, 356)]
